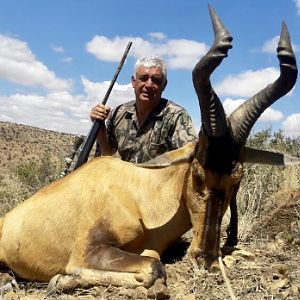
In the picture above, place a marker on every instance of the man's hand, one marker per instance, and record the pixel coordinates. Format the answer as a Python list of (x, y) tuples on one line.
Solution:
[(99, 112)]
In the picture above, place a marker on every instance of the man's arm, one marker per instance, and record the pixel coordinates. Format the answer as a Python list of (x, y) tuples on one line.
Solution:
[(103, 142), (101, 112)]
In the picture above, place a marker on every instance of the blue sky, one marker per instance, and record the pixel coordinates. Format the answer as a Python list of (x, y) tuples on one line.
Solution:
[(57, 57)]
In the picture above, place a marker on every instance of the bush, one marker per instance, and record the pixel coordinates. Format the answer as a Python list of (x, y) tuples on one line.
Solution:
[(260, 183), (37, 174)]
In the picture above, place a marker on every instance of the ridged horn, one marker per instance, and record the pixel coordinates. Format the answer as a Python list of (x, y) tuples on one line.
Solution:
[(212, 112), (244, 117)]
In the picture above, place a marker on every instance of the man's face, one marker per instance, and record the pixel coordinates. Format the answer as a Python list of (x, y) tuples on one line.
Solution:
[(148, 85)]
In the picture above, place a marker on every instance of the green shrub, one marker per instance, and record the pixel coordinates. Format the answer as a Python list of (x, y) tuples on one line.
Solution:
[(37, 174)]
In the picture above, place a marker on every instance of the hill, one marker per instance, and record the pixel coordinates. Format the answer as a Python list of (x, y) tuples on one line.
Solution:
[(21, 144)]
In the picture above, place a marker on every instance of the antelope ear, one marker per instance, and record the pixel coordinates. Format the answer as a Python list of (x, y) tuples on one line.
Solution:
[(256, 156), (181, 155)]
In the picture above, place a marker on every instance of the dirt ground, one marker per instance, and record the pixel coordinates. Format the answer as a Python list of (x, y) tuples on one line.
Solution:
[(263, 266)]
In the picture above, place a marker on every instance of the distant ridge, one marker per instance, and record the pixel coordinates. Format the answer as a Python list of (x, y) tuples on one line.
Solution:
[(21, 144)]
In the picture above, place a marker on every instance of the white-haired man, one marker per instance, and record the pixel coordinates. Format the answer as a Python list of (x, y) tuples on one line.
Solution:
[(148, 126)]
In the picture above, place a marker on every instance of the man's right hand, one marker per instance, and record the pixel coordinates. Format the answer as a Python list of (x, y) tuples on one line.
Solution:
[(99, 112)]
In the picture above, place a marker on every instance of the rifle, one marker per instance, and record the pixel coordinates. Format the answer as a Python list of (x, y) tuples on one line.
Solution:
[(87, 145)]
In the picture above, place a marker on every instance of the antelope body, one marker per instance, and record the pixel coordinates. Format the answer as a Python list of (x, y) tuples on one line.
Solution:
[(109, 221)]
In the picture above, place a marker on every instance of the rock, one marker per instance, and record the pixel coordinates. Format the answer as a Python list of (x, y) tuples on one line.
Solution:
[(11, 296), (159, 290), (124, 292), (285, 294), (279, 284), (141, 291), (296, 290), (6, 288), (189, 297), (282, 269), (229, 261), (244, 254), (5, 278)]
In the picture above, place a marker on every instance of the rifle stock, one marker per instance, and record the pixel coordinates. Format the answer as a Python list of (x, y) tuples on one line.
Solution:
[(85, 148)]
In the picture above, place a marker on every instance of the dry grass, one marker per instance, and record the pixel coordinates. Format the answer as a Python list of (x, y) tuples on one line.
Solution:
[(30, 158)]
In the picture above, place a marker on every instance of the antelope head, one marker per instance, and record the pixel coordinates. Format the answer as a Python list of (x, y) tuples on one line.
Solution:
[(217, 166)]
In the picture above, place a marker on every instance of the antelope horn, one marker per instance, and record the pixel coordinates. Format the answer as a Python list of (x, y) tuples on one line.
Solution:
[(244, 117), (212, 111)]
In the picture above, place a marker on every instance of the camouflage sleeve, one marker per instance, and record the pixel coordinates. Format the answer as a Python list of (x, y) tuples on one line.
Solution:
[(109, 123), (184, 131)]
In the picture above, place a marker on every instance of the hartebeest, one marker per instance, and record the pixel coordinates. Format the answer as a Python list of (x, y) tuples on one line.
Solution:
[(109, 221)]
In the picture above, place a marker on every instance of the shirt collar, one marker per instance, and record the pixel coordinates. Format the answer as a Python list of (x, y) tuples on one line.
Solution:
[(158, 113)]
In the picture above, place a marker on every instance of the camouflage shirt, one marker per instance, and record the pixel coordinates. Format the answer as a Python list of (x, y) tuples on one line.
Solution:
[(167, 128)]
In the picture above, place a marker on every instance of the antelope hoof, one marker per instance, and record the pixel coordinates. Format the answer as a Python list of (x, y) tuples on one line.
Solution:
[(158, 273), (52, 285), (211, 263), (200, 259)]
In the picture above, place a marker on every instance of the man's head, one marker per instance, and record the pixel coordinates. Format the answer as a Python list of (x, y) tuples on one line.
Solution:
[(150, 62), (149, 80)]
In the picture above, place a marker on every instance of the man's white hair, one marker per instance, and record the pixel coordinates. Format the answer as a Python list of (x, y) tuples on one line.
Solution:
[(150, 62)]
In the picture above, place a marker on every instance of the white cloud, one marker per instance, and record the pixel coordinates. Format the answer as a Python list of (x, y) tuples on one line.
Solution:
[(297, 6), (178, 53), (61, 111), (96, 91), (230, 105), (291, 126), (60, 49), (19, 65), (66, 59), (56, 111), (183, 54), (157, 35), (270, 46), (106, 49), (57, 48), (269, 115), (246, 84)]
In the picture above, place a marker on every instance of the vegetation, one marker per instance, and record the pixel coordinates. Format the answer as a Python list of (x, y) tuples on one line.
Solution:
[(30, 158), (261, 183), (36, 175), (25, 180)]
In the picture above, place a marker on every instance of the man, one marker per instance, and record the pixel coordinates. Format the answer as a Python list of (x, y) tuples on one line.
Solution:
[(150, 125)]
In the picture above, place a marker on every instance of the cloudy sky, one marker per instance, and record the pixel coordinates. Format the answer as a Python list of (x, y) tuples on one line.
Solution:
[(57, 57)]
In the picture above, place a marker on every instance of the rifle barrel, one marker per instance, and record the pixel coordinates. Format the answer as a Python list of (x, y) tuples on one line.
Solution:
[(87, 146)]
